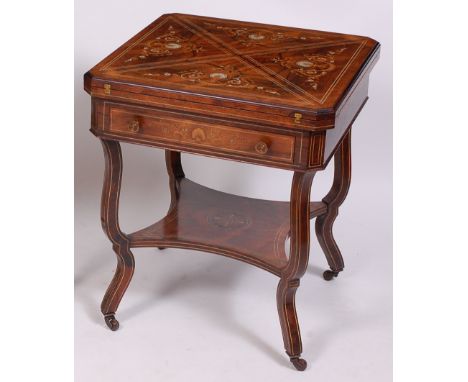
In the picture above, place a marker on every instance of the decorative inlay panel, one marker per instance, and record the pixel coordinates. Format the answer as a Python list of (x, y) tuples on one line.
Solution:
[(169, 41), (316, 150), (166, 45), (244, 38), (229, 220), (251, 62), (311, 72), (232, 139), (257, 37), (228, 76), (312, 67)]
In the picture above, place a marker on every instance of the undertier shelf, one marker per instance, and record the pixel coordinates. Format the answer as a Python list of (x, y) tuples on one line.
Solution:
[(250, 230)]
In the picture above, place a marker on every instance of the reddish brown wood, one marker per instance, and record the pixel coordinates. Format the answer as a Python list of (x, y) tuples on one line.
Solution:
[(247, 63), (246, 229), (110, 225), (261, 94), (296, 266), (197, 134), (176, 173), (217, 76), (208, 136), (333, 200)]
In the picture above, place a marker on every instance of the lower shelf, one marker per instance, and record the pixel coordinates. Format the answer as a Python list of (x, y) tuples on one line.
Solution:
[(250, 230)]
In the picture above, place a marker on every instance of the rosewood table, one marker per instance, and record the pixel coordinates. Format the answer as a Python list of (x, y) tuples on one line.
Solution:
[(255, 93)]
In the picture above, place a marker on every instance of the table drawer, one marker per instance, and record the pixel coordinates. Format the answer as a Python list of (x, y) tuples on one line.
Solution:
[(165, 127)]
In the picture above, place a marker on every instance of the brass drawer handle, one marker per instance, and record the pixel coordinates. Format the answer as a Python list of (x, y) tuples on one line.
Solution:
[(261, 147), (134, 126)]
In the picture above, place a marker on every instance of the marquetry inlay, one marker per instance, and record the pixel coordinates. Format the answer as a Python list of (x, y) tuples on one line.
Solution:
[(229, 220), (165, 45), (212, 75), (312, 67), (254, 93), (208, 135), (257, 36), (273, 63)]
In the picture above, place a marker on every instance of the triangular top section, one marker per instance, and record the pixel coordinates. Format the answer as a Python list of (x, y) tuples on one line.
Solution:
[(248, 62), (243, 37), (312, 72), (167, 42)]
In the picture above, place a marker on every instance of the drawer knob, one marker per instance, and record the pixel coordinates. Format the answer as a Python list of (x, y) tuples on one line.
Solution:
[(261, 147), (134, 126)]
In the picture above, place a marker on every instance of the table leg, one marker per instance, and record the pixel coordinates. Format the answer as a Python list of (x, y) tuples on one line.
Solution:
[(175, 172), (110, 225), (297, 265), (333, 200)]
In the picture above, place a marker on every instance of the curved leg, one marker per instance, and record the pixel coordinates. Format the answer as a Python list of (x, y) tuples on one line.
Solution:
[(176, 173), (110, 225), (298, 260), (333, 200)]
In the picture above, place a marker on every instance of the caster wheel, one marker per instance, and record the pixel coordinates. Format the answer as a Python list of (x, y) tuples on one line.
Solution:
[(328, 275), (111, 322), (299, 363)]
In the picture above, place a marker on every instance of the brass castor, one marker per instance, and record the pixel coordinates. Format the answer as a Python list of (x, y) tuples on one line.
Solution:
[(328, 275), (299, 363), (111, 322)]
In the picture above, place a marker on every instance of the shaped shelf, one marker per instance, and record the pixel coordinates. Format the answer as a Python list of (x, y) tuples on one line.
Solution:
[(246, 229)]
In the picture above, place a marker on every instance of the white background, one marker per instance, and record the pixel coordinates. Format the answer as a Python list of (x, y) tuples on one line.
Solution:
[(36, 160), (193, 315)]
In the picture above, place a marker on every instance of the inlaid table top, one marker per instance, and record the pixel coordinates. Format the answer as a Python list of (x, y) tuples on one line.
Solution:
[(233, 64), (260, 94)]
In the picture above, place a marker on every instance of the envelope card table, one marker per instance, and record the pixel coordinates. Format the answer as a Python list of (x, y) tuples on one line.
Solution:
[(261, 94)]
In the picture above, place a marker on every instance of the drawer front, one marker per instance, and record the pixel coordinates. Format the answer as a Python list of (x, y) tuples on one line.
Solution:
[(163, 127)]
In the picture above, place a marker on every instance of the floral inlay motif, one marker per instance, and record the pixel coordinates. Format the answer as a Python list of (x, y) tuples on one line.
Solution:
[(165, 45), (205, 135), (216, 75), (257, 36), (312, 66), (229, 221)]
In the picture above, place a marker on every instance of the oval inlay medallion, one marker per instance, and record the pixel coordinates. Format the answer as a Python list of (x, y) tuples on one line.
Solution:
[(173, 45), (198, 134), (229, 220), (218, 76), (304, 63), (256, 36)]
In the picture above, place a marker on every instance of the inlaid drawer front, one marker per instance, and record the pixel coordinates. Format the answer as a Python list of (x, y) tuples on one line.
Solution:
[(220, 138)]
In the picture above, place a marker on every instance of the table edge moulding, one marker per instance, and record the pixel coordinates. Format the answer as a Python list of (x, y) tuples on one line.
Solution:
[(262, 94)]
